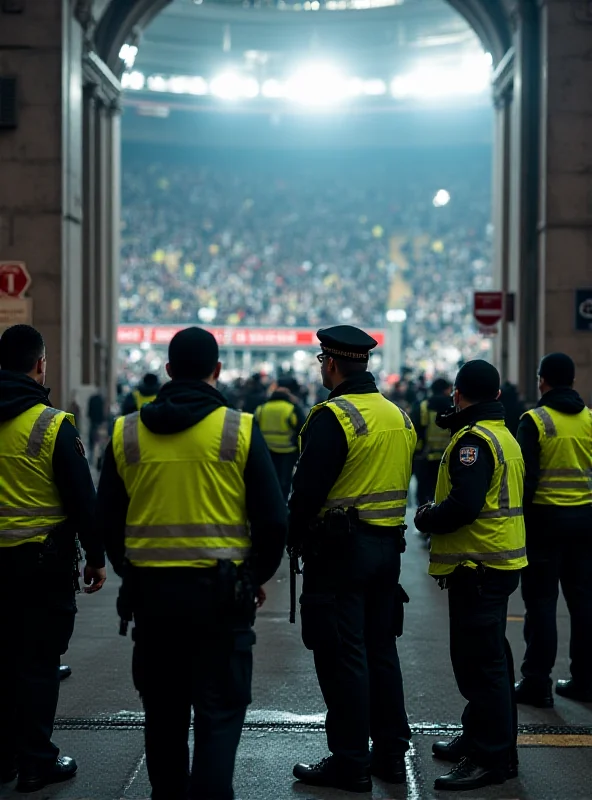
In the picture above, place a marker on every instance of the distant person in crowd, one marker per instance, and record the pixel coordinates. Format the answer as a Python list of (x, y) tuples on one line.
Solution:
[(432, 440), (95, 411), (280, 419), (514, 406), (144, 393), (255, 394)]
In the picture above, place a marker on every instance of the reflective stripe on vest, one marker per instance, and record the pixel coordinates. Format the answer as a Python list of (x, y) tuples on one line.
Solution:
[(565, 442), (497, 537), (381, 441), (29, 501), (497, 555), (200, 473)]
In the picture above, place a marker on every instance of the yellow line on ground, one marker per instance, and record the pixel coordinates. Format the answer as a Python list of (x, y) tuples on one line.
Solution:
[(555, 740), (514, 618)]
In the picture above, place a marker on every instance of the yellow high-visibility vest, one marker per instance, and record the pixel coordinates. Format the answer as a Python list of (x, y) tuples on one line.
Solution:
[(30, 504), (141, 399), (381, 441), (497, 538), (436, 438), (187, 492), (565, 440), (277, 421)]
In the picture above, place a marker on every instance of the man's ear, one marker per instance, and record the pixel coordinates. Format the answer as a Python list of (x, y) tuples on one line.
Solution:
[(168, 370), (217, 371)]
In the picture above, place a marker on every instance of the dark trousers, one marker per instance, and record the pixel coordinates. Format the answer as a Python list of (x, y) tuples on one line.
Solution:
[(211, 662), (36, 624), (558, 557), (284, 464), (427, 477), (482, 661), (351, 615)]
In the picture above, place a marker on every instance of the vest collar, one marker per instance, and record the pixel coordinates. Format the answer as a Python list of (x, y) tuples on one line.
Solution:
[(479, 412)]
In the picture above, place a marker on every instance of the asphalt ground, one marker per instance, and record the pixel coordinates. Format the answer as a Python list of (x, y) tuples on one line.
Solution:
[(100, 722)]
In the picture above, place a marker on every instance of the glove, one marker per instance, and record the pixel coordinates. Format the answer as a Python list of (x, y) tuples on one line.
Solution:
[(421, 517)]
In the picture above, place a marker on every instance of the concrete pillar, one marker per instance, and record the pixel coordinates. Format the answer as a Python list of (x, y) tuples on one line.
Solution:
[(41, 176), (565, 210)]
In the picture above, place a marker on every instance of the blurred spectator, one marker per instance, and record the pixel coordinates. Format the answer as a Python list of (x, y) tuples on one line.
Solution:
[(514, 406), (145, 392), (96, 417)]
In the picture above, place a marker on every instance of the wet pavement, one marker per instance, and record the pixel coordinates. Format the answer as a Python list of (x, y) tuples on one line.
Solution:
[(100, 715)]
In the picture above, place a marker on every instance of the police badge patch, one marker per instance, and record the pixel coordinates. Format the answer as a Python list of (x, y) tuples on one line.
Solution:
[(468, 455)]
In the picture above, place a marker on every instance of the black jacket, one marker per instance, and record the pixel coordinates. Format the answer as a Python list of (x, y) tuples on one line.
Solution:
[(179, 406), (470, 483), (324, 453), (19, 393), (566, 401)]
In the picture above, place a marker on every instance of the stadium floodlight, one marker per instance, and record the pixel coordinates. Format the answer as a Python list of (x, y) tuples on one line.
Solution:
[(273, 88), (230, 86), (198, 85), (317, 85), (128, 54), (374, 87), (157, 83), (434, 81), (133, 80), (396, 315), (441, 198)]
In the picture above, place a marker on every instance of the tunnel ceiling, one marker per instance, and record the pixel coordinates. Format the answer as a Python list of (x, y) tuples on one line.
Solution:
[(121, 21)]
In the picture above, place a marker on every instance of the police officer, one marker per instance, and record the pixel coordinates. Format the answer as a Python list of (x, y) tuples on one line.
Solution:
[(280, 420), (46, 497), (432, 440), (477, 551), (347, 510), (182, 481), (145, 392), (556, 442)]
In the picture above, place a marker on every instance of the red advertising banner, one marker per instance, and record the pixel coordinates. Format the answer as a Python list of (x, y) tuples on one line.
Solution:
[(228, 336)]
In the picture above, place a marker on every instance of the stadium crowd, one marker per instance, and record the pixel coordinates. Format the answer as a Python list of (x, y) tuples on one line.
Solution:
[(308, 242)]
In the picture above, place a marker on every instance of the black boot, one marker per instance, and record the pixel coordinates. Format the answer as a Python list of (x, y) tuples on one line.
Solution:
[(31, 780), (533, 694), (390, 768), (468, 775), (8, 771), (455, 750), (452, 751), (328, 773), (65, 672), (574, 690)]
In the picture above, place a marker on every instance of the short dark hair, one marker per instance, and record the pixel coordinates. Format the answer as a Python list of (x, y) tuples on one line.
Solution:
[(193, 354), (440, 385), (21, 347), (557, 369)]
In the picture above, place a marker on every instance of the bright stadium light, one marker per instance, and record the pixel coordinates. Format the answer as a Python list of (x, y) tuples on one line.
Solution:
[(157, 83), (273, 88), (434, 81), (396, 315), (317, 85), (374, 87), (230, 86), (441, 198), (133, 80), (128, 55), (198, 86)]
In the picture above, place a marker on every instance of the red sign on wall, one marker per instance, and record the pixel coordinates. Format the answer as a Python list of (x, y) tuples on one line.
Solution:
[(488, 308), (14, 279), (230, 337)]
